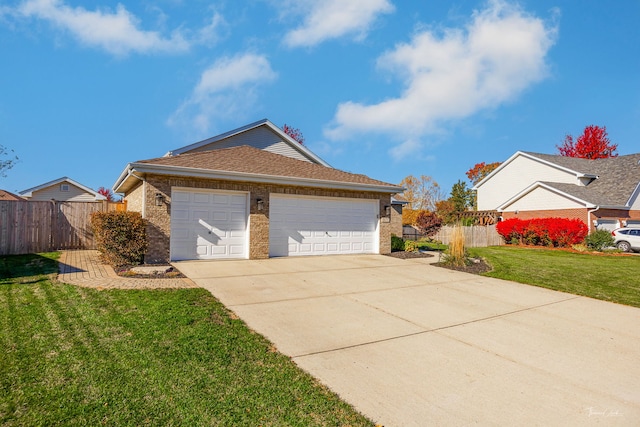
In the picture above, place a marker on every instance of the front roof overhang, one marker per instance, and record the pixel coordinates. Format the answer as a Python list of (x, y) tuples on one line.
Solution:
[(135, 172)]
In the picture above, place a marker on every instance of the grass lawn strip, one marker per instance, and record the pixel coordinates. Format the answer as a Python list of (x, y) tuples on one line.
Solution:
[(78, 356), (612, 278)]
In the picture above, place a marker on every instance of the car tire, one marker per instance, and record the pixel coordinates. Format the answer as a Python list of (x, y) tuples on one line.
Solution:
[(624, 246)]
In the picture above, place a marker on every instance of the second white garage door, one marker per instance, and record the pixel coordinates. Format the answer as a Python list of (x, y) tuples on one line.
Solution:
[(301, 225), (207, 224)]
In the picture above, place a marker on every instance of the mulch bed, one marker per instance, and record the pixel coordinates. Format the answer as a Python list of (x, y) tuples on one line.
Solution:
[(476, 266), (407, 255), (163, 273)]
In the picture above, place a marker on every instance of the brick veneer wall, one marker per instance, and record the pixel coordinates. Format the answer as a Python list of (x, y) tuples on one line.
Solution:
[(159, 227), (618, 214), (396, 220), (580, 214), (134, 199)]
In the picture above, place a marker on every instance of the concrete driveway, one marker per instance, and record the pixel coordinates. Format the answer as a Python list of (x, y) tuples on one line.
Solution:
[(408, 343)]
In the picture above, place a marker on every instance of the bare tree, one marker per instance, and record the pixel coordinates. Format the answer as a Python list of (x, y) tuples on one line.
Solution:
[(422, 193), (9, 162)]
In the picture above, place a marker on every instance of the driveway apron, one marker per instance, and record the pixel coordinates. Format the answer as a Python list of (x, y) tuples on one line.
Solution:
[(411, 344)]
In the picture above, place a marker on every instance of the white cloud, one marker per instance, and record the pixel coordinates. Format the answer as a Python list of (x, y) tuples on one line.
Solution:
[(226, 89), (329, 19), (210, 33), (117, 31), (452, 75)]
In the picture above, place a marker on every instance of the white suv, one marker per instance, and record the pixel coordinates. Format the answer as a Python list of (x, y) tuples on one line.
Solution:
[(627, 239)]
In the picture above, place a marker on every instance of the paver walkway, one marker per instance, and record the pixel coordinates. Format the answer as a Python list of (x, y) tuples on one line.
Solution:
[(83, 268)]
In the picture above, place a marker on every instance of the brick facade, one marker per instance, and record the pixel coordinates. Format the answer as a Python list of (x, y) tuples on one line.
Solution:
[(159, 227), (581, 214), (396, 220)]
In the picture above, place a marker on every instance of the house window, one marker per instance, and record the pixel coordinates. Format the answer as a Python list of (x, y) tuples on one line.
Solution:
[(64, 187)]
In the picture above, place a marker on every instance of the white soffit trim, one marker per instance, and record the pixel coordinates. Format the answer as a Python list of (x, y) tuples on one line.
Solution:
[(634, 195)]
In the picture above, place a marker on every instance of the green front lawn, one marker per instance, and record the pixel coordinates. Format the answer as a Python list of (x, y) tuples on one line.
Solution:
[(607, 277), (76, 356)]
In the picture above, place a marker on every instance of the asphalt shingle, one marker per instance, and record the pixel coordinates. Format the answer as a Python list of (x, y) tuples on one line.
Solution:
[(618, 178), (249, 160)]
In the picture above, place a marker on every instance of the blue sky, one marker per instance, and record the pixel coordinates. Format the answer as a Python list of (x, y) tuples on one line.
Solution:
[(386, 88)]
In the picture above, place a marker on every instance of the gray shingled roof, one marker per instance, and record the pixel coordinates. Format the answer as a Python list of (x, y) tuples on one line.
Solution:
[(250, 160), (618, 178)]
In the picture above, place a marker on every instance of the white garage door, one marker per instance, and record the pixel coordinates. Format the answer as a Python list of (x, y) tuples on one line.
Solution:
[(208, 224), (300, 225), (607, 224)]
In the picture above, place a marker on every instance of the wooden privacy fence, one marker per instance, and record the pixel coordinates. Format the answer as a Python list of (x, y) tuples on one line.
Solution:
[(475, 236), (31, 227)]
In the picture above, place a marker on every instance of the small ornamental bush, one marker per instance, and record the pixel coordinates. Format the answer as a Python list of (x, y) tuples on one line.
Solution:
[(120, 237), (599, 240), (411, 246), (556, 232), (397, 244)]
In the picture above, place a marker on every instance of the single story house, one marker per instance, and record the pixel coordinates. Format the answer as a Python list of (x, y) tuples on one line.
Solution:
[(255, 193), (604, 193), (62, 189)]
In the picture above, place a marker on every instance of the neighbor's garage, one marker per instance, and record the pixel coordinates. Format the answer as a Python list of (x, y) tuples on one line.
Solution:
[(208, 224), (305, 225)]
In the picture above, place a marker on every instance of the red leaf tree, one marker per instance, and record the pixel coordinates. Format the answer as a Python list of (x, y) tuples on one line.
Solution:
[(480, 171), (592, 144), (428, 223), (106, 192), (293, 133)]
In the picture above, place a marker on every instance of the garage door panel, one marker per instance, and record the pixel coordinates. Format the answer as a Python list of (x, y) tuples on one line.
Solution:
[(238, 217), (179, 214), (201, 198), (301, 225), (238, 200)]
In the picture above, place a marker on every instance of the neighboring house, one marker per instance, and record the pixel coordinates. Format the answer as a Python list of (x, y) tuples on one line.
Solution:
[(62, 189), (604, 193), (255, 193), (6, 195)]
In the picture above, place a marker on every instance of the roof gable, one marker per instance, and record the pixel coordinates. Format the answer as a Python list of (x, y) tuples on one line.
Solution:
[(554, 188), (546, 159), (28, 193), (251, 164), (262, 134)]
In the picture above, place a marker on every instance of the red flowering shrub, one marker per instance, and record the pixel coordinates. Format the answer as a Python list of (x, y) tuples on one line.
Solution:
[(511, 230), (559, 232)]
